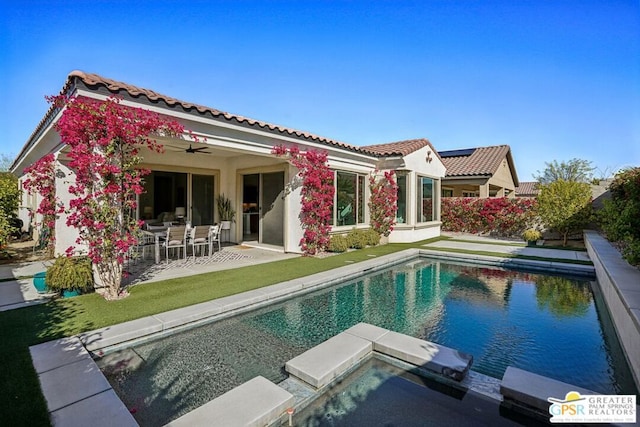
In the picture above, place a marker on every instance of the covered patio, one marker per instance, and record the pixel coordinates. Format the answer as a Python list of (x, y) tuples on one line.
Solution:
[(145, 270)]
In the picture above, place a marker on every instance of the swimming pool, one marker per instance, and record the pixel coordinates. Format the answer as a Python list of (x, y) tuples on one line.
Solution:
[(549, 325), (379, 393)]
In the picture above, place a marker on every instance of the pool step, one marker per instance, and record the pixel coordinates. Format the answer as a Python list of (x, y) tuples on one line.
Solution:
[(332, 358), (434, 357), (523, 387), (258, 402), (325, 362)]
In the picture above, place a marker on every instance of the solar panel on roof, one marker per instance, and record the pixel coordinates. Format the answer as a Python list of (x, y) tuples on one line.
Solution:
[(457, 153)]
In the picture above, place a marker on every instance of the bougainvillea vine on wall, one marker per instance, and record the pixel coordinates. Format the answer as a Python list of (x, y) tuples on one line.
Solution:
[(317, 191), (104, 139), (41, 180), (383, 203)]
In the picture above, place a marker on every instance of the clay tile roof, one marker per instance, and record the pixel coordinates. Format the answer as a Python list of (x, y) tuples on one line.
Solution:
[(528, 188), (116, 86), (481, 161), (399, 148), (94, 81)]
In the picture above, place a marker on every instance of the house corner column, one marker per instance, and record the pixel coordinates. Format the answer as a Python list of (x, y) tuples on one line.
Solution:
[(65, 236), (437, 194), (483, 191)]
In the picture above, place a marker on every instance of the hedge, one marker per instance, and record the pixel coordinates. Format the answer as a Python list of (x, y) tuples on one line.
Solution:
[(620, 217), (498, 216)]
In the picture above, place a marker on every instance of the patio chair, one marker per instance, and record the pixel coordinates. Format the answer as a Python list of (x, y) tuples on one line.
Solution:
[(146, 242), (176, 239), (200, 238), (214, 236)]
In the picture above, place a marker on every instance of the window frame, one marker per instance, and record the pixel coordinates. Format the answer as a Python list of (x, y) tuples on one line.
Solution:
[(420, 197), (359, 196)]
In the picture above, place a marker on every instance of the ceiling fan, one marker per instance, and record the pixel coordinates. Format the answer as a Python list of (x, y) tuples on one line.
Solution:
[(197, 150)]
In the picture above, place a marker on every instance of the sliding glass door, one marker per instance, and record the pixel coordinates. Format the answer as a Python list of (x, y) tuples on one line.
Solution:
[(272, 208), (202, 199), (177, 197), (263, 208)]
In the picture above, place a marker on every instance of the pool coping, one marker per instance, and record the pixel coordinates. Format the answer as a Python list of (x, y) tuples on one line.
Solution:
[(620, 287), (112, 338)]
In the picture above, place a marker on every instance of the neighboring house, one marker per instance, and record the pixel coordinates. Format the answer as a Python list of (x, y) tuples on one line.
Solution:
[(234, 157), (479, 172), (527, 189)]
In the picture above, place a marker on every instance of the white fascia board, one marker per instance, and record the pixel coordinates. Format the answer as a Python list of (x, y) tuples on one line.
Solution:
[(340, 163), (38, 146)]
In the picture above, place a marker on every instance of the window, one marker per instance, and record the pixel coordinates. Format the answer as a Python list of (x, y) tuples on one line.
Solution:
[(447, 192), (469, 194), (360, 199), (425, 199), (349, 206), (401, 214), (167, 198)]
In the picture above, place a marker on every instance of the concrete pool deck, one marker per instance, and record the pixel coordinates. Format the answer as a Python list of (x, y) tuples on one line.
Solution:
[(16, 285), (484, 244)]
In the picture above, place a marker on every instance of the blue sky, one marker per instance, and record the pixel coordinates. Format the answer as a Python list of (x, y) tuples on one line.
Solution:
[(553, 79)]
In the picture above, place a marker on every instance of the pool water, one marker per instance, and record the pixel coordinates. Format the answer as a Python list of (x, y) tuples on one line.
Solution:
[(379, 394), (549, 325)]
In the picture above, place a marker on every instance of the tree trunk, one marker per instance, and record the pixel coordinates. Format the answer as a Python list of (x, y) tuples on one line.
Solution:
[(108, 275)]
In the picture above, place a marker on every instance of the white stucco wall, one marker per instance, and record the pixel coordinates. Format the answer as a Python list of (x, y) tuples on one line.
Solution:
[(416, 165), (28, 203), (293, 231), (65, 236)]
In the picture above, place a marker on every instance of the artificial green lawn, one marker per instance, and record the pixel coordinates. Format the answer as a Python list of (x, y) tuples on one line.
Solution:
[(21, 401)]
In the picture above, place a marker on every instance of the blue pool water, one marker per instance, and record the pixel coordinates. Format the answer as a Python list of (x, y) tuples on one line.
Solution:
[(549, 325), (379, 394)]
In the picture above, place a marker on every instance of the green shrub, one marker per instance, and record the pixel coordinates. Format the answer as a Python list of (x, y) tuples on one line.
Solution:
[(5, 230), (565, 207), (531, 235), (357, 239), (620, 216), (373, 237), (9, 200), (338, 243), (70, 273)]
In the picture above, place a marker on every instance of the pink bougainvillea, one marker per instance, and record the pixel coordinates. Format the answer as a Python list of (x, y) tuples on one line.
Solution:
[(316, 211), (104, 138), (383, 203), (41, 180), (497, 215)]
